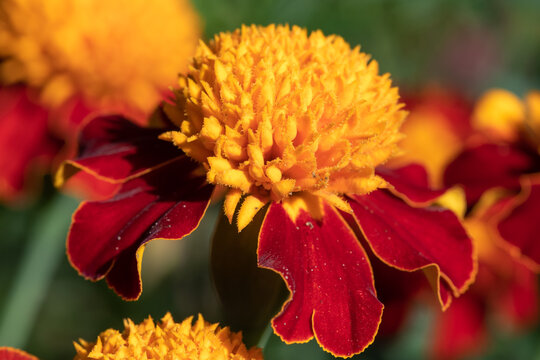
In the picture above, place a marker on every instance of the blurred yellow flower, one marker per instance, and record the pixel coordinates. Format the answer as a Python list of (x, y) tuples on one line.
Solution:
[(272, 111), (112, 53), (504, 116), (168, 340)]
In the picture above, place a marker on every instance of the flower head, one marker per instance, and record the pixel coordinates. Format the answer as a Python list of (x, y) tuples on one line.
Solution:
[(303, 123), (272, 112), (168, 340), (109, 52)]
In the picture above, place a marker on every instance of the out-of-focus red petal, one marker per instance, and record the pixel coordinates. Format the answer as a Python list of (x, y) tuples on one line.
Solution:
[(519, 302), (408, 238), (26, 146), (521, 229), (451, 105), (7, 353), (410, 181), (487, 166), (88, 187), (329, 277), (115, 149), (107, 238), (460, 330)]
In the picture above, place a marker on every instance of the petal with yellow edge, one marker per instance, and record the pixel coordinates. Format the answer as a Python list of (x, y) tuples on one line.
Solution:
[(113, 149), (429, 238), (107, 238), (520, 229), (410, 181), (328, 274)]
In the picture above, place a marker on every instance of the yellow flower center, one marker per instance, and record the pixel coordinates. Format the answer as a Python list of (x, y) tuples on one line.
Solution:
[(271, 112), (110, 52), (168, 340)]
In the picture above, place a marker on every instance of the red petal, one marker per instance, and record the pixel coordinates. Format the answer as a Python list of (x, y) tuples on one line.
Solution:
[(519, 300), (329, 277), (486, 166), (115, 149), (453, 107), (408, 238), (7, 353), (412, 182), (105, 236), (521, 228), (25, 143), (460, 331)]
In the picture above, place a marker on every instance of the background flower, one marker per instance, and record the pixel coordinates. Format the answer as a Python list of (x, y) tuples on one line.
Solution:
[(63, 60), (505, 291)]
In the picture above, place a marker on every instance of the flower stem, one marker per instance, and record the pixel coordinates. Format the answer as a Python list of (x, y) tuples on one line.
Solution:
[(31, 280), (263, 341)]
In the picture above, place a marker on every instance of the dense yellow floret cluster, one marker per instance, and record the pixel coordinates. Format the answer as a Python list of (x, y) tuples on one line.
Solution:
[(110, 52), (272, 111), (167, 341)]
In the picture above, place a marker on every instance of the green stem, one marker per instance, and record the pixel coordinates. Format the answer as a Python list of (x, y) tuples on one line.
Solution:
[(263, 341), (44, 252)]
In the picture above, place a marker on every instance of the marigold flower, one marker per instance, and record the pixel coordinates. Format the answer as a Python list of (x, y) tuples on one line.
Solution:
[(302, 122), (62, 60), (168, 340), (89, 49), (505, 289)]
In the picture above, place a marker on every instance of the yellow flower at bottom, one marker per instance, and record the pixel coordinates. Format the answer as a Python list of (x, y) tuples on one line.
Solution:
[(108, 52), (168, 340), (273, 112)]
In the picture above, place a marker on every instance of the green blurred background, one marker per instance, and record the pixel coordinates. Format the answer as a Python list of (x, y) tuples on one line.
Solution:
[(467, 45)]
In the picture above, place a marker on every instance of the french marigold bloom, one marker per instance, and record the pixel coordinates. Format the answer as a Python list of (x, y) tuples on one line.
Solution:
[(294, 125), (66, 59), (168, 340), (7, 353), (508, 157), (505, 290)]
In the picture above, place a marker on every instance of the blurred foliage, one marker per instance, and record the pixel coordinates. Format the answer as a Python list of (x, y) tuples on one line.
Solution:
[(469, 45)]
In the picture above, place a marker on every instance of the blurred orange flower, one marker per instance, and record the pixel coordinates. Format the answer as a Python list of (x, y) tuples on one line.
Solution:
[(63, 60)]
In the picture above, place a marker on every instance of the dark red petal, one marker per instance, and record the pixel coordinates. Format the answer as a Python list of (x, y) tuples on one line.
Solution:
[(407, 238), (107, 237), (7, 353), (329, 277), (521, 228), (114, 148), (460, 330), (486, 166), (410, 181), (26, 146)]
